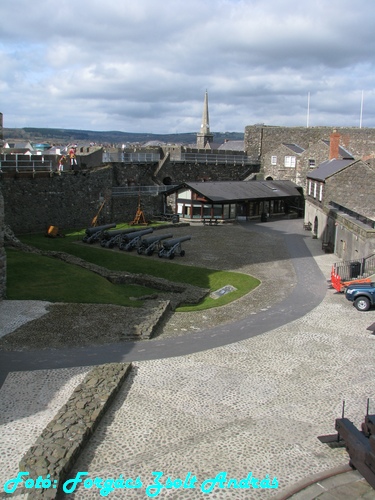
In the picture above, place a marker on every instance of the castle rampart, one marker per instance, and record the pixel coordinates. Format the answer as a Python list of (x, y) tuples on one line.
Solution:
[(261, 139)]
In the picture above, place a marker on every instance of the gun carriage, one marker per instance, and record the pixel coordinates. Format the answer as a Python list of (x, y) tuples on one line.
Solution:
[(149, 245), (133, 240), (173, 246), (94, 234), (112, 238)]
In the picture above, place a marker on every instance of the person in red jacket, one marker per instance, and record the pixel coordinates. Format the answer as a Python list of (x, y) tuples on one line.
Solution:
[(72, 155)]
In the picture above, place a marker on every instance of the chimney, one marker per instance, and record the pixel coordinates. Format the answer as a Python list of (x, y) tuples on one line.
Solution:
[(334, 145)]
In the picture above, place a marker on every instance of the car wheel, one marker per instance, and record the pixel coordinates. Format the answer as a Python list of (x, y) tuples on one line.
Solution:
[(362, 304)]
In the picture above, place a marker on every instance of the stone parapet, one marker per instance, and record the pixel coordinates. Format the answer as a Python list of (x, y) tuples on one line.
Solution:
[(61, 442)]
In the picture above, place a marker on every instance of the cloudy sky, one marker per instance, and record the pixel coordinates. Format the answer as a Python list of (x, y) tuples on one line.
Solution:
[(144, 65)]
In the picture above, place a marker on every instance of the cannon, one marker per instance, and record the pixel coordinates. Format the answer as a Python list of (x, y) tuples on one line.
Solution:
[(148, 245), (113, 238), (361, 448), (171, 247), (132, 240), (96, 233), (360, 444)]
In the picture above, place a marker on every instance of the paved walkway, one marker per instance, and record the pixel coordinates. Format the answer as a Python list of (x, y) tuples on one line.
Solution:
[(225, 399)]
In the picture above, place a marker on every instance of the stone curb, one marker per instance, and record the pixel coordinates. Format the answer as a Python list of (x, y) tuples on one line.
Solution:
[(58, 447), (147, 328)]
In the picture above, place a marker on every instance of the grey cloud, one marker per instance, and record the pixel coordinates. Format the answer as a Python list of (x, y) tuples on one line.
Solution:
[(146, 64)]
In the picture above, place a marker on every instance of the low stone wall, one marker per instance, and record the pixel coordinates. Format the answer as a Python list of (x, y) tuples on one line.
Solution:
[(156, 314), (61, 442)]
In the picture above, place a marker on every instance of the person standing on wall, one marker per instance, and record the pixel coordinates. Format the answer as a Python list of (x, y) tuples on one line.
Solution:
[(73, 158), (60, 167)]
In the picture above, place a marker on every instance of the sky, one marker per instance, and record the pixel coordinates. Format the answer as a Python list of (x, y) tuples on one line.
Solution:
[(145, 65)]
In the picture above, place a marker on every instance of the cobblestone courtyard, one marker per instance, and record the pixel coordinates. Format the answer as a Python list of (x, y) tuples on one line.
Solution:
[(256, 405)]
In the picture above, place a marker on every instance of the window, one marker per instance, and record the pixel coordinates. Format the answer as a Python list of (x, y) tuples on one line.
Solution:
[(273, 160), (290, 161), (196, 211), (315, 184), (320, 192), (311, 163), (185, 194), (218, 211), (310, 186), (207, 211)]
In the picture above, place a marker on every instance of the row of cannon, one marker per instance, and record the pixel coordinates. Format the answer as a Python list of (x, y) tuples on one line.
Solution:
[(128, 239)]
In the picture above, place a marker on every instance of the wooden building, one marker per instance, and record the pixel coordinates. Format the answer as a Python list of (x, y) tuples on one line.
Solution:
[(230, 200)]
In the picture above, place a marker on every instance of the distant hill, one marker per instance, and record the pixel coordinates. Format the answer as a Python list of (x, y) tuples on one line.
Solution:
[(64, 136)]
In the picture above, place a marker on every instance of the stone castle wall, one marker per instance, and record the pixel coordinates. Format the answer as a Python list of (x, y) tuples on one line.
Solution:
[(260, 139), (2, 250), (68, 201)]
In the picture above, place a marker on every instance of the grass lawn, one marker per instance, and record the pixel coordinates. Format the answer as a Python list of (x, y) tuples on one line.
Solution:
[(34, 277)]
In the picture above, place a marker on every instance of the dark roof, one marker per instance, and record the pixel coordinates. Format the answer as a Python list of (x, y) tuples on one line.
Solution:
[(242, 190), (232, 146), (328, 168), (342, 151), (294, 147)]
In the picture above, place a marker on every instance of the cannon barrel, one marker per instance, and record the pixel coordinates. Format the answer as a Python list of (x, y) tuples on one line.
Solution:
[(137, 234), (92, 230), (154, 239), (175, 241), (110, 234)]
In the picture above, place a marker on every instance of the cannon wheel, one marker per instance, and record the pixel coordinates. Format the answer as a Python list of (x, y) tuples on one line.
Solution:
[(139, 250), (171, 256), (182, 253), (160, 253), (149, 252)]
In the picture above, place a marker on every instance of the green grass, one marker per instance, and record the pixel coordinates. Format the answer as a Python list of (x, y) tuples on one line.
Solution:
[(56, 284), (33, 277)]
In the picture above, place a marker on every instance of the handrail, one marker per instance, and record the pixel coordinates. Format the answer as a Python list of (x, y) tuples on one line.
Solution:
[(32, 166), (215, 158), (135, 190), (121, 157)]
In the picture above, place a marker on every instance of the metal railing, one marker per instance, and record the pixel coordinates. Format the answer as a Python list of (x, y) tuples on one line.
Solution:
[(351, 269), (215, 158), (138, 190), (15, 164), (121, 157)]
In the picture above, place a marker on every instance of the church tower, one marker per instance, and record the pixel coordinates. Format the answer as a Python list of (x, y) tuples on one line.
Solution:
[(204, 137)]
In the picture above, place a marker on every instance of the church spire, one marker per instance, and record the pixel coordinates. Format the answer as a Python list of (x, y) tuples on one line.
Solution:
[(204, 137)]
